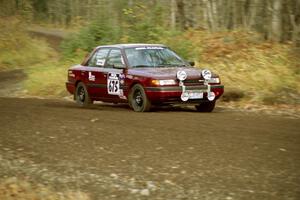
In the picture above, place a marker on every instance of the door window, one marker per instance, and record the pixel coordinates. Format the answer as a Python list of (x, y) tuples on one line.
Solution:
[(99, 58), (115, 59)]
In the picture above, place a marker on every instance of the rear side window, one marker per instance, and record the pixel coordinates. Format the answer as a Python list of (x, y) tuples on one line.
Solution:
[(99, 58), (115, 59)]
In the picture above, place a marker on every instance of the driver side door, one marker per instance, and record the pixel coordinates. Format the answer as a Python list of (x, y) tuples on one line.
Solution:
[(115, 66), (95, 74)]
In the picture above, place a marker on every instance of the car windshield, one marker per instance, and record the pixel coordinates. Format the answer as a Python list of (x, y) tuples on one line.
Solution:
[(153, 57)]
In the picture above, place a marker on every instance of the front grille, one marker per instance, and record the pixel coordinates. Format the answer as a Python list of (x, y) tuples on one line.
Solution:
[(196, 87), (191, 82)]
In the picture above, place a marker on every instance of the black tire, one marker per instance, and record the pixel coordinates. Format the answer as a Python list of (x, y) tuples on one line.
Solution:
[(138, 100), (82, 96), (206, 106)]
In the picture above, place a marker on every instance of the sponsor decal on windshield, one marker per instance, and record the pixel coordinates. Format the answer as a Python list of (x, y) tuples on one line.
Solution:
[(143, 48), (100, 62)]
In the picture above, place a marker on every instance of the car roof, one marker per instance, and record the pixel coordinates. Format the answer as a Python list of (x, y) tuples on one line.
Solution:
[(132, 45)]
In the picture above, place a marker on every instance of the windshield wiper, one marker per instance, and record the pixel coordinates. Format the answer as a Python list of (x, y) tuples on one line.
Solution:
[(172, 65), (137, 66), (165, 65)]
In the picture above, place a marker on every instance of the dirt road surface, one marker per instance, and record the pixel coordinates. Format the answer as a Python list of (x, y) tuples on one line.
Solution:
[(111, 152)]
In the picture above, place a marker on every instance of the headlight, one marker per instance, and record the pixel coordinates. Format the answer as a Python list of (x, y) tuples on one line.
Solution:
[(206, 74), (181, 75), (214, 80), (163, 82)]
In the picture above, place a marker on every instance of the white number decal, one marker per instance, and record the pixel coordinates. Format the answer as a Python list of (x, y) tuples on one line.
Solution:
[(113, 87), (113, 84)]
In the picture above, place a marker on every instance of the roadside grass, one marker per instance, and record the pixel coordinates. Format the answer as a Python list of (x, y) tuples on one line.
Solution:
[(18, 49), (252, 70), (48, 79), (16, 189), (45, 72)]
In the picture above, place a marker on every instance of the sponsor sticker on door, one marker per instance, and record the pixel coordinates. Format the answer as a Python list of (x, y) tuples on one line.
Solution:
[(91, 77)]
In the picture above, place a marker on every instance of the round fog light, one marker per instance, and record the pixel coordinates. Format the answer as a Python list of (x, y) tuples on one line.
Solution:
[(206, 74), (211, 96), (181, 75), (184, 96)]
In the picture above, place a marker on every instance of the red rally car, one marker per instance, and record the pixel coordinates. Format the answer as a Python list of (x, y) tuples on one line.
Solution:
[(142, 75)]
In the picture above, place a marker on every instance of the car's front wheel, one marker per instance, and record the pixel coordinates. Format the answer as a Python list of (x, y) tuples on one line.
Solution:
[(206, 106), (81, 95), (138, 99)]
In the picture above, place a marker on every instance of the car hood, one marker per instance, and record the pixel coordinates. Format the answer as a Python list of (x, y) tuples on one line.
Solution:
[(165, 72)]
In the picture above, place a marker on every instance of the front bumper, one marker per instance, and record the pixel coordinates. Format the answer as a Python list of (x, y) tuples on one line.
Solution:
[(70, 87), (172, 94)]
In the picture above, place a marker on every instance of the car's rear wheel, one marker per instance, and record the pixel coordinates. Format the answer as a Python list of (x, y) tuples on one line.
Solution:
[(82, 96), (206, 106), (138, 100)]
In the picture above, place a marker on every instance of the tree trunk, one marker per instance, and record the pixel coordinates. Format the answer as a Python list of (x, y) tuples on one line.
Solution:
[(296, 31), (88, 10), (276, 26), (210, 13), (215, 14), (181, 13), (173, 14), (252, 13), (17, 4), (296, 24)]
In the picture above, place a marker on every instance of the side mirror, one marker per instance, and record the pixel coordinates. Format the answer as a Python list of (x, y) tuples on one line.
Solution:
[(192, 63)]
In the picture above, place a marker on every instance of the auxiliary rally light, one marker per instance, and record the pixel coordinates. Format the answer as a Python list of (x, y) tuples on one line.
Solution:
[(181, 75), (211, 96), (185, 96), (206, 74)]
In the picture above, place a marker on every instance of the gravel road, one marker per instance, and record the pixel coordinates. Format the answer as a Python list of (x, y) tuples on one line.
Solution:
[(111, 152)]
